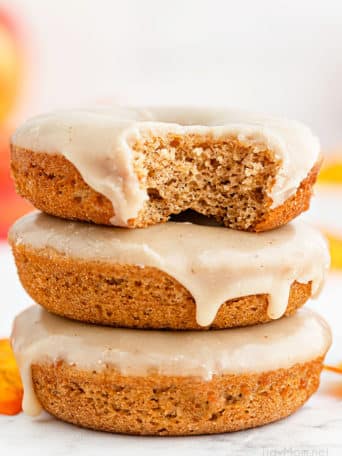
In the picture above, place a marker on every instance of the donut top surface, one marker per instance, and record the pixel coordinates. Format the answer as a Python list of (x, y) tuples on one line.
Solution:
[(213, 263), (39, 337), (97, 142)]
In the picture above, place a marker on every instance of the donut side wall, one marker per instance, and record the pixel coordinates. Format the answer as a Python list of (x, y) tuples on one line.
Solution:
[(161, 405), (128, 295)]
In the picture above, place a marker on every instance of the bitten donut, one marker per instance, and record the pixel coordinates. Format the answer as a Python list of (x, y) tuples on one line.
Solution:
[(168, 383), (136, 167), (177, 275)]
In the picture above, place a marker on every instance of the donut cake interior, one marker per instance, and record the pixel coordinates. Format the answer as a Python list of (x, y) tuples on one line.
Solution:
[(137, 167)]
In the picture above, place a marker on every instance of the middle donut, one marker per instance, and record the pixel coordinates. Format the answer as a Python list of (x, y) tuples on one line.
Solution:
[(177, 275)]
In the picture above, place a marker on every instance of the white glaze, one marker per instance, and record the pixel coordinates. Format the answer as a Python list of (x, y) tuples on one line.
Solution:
[(97, 142), (39, 336), (215, 264)]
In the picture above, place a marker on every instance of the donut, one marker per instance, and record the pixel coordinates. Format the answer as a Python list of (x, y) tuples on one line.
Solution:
[(177, 275), (168, 382), (135, 167)]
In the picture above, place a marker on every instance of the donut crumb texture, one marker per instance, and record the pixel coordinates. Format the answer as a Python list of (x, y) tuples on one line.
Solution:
[(216, 177), (163, 405)]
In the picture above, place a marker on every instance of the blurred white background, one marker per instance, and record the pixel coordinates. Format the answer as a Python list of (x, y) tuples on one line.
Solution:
[(281, 56), (277, 56)]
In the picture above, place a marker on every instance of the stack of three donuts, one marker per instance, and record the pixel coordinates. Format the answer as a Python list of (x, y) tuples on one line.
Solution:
[(169, 328)]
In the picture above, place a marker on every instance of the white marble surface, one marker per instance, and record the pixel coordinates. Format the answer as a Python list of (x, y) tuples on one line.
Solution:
[(315, 430)]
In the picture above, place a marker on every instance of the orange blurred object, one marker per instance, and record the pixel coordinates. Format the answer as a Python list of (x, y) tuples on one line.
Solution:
[(337, 369), (11, 390), (335, 245), (331, 172), (11, 205), (10, 64)]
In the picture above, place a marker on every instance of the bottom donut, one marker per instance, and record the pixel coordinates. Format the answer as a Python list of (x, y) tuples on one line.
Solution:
[(168, 383), (165, 405)]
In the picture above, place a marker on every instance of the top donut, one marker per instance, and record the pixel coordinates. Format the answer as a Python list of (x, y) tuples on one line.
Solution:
[(134, 167)]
